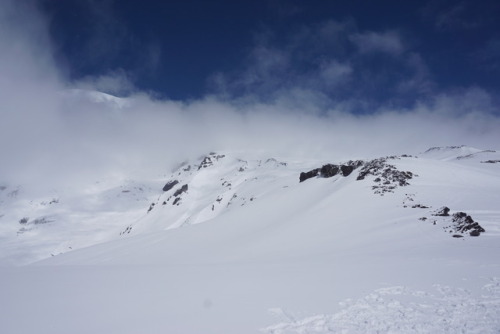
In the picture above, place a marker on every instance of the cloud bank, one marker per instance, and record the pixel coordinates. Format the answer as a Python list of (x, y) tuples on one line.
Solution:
[(52, 133)]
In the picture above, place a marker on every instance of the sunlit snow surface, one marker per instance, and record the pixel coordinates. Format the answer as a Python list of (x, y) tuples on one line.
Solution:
[(249, 249)]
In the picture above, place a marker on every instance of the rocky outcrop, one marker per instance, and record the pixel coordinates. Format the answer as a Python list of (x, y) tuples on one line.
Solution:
[(460, 223), (181, 190), (434, 149), (330, 170), (464, 223), (170, 185), (442, 212), (388, 177), (310, 174), (209, 160)]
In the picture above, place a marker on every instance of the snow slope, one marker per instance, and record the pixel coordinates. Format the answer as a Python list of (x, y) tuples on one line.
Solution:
[(247, 248)]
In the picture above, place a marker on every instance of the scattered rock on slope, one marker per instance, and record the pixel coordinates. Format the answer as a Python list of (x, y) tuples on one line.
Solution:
[(465, 223), (170, 185), (209, 160), (388, 177), (181, 190), (330, 170), (442, 212)]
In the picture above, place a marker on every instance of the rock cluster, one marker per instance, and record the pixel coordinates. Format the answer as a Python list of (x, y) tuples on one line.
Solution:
[(181, 190), (209, 160), (388, 177), (464, 223), (442, 212), (330, 170), (461, 222)]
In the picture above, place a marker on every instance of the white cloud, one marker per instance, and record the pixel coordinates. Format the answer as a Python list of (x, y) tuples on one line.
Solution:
[(334, 72), (419, 80), (387, 42), (48, 137), (116, 82)]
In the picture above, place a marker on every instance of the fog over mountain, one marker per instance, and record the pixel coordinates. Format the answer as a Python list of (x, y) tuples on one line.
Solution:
[(48, 129)]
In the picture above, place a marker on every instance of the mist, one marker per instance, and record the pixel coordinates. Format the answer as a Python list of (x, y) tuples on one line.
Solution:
[(57, 131)]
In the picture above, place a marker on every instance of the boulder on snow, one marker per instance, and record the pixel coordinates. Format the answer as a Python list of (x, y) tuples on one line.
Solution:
[(330, 170), (307, 175), (464, 222), (474, 233), (346, 169), (442, 212), (181, 190), (170, 185)]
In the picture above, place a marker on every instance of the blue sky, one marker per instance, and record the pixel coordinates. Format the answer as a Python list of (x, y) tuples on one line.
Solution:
[(371, 53)]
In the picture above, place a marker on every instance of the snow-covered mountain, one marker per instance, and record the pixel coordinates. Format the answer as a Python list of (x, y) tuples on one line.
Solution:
[(234, 244)]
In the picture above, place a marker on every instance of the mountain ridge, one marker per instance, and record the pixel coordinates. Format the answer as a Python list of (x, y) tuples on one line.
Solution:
[(246, 247), (203, 189)]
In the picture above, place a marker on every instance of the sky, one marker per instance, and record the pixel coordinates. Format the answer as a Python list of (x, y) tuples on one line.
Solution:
[(317, 79), (381, 51)]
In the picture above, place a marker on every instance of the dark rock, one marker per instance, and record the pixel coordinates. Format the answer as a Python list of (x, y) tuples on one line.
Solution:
[(490, 161), (307, 175), (475, 233), (176, 201), (170, 185), (443, 148), (464, 223), (41, 220), (329, 170), (457, 236), (346, 170), (419, 206), (386, 174), (207, 161), (181, 190), (151, 207), (442, 212)]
